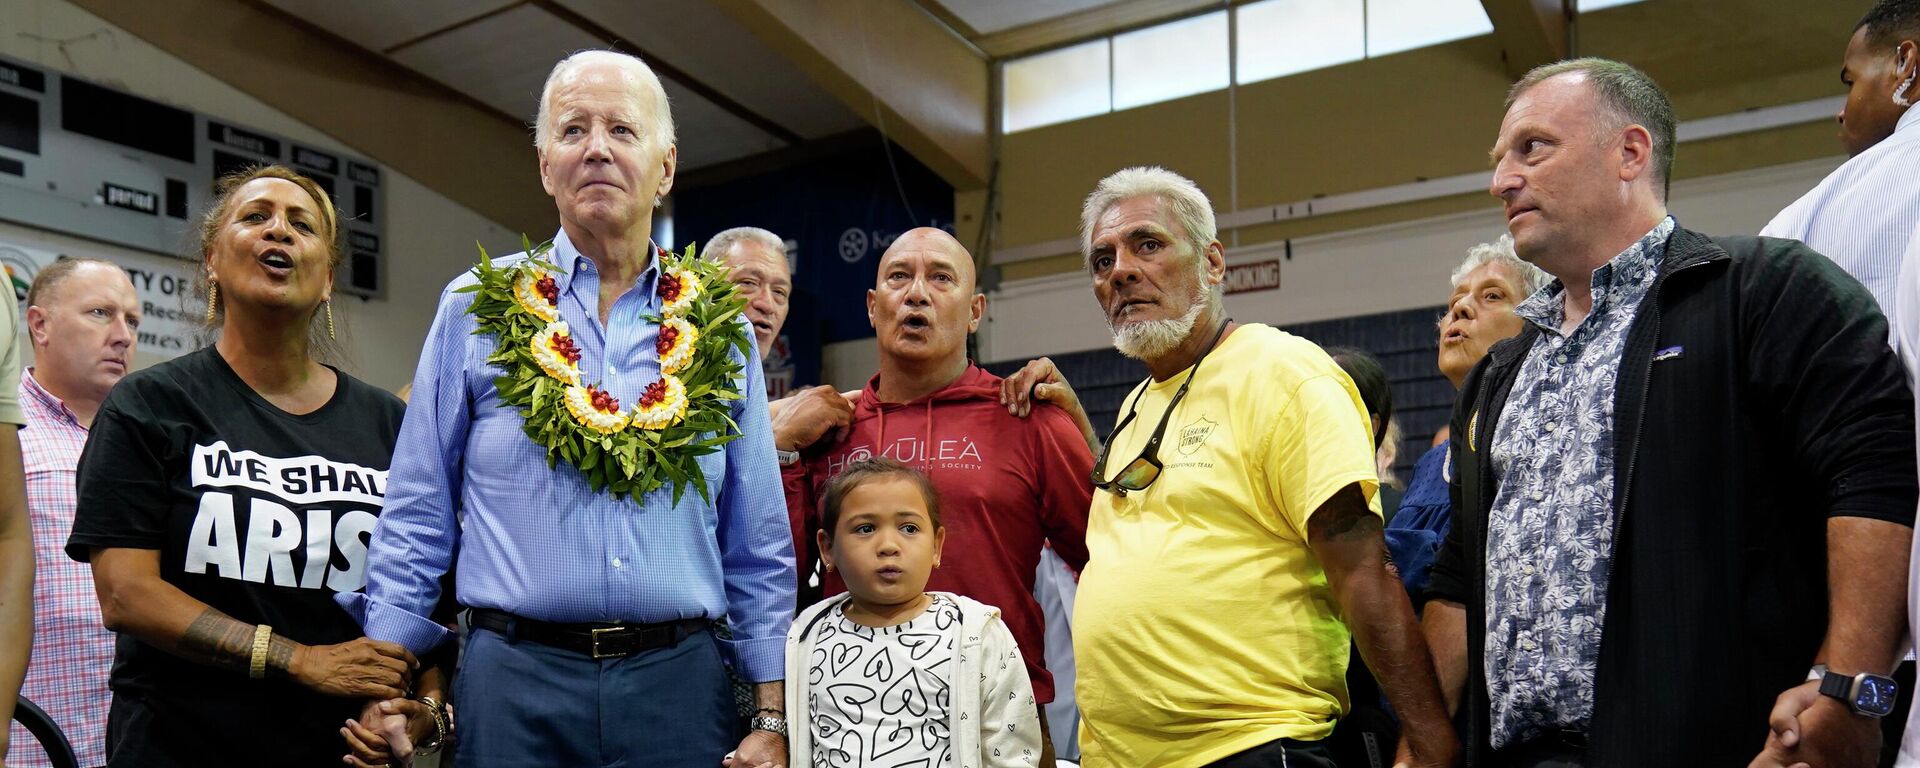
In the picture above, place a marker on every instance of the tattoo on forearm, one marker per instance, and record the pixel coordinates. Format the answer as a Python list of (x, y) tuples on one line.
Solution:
[(217, 640), (1344, 518), (279, 656)]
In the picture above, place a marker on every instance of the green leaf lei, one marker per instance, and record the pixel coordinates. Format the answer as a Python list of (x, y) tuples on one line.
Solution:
[(680, 416)]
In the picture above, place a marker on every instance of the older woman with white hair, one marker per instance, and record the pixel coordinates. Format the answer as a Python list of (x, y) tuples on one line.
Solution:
[(1486, 288)]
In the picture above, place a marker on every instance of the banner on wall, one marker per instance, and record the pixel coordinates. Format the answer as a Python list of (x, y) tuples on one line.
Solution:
[(779, 367), (167, 325)]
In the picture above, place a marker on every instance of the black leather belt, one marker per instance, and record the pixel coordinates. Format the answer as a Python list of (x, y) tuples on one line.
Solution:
[(600, 641), (1569, 738), (1556, 743)]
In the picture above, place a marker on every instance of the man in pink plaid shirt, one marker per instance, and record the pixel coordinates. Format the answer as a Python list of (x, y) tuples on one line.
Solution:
[(83, 316)]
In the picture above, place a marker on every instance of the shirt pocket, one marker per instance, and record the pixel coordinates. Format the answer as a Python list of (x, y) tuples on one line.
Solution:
[(713, 469)]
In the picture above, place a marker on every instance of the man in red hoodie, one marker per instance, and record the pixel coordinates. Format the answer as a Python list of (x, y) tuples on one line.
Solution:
[(1007, 484)]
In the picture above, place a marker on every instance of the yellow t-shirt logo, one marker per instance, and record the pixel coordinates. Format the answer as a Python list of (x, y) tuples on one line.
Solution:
[(1192, 436)]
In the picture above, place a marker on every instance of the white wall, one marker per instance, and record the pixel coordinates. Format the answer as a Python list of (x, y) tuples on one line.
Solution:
[(1362, 272), (429, 237)]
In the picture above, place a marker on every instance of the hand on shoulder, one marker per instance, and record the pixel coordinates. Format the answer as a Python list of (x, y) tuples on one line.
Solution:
[(809, 415)]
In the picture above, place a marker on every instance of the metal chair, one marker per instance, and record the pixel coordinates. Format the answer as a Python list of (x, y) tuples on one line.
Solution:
[(46, 731)]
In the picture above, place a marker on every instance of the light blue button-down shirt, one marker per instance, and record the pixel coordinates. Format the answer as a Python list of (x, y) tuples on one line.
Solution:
[(538, 542)]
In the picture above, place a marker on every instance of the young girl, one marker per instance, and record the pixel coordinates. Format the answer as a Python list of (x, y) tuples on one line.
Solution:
[(889, 675)]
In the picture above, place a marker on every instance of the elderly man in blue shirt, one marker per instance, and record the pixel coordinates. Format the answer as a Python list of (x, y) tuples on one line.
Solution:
[(590, 614)]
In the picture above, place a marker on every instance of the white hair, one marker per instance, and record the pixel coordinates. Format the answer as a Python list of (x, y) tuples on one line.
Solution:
[(718, 245), (1150, 339), (1190, 206), (662, 112), (1527, 278)]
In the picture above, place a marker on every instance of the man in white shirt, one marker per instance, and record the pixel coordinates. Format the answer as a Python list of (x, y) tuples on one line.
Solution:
[(1862, 214), (1906, 333)]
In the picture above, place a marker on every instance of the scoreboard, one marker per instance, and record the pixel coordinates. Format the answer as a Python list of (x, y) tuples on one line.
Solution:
[(95, 162)]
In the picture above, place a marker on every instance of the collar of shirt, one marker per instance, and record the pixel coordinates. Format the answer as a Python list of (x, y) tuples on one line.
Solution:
[(44, 400), (533, 538), (572, 262), (1907, 120), (1547, 307)]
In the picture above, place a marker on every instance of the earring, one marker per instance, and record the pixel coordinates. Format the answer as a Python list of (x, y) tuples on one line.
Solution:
[(1899, 93), (213, 295), (329, 303)]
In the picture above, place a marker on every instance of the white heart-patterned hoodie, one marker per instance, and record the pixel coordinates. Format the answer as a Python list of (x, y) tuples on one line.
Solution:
[(995, 721)]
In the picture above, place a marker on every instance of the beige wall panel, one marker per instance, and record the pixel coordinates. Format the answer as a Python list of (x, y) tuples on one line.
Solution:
[(1047, 172)]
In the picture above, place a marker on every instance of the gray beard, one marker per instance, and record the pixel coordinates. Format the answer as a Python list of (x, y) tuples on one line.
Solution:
[(1153, 339)]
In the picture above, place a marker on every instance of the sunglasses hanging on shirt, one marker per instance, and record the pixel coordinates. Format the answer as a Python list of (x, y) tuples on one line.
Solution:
[(1145, 468)]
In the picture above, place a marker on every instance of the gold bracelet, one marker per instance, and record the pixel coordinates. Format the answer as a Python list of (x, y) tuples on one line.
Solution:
[(439, 739), (262, 637)]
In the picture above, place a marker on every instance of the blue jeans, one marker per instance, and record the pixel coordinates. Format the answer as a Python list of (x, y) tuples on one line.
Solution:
[(522, 704)]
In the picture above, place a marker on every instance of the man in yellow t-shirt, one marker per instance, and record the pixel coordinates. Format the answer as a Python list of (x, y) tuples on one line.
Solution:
[(1235, 524)]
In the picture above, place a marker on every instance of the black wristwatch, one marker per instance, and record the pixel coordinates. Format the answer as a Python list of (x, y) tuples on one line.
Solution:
[(1865, 694)]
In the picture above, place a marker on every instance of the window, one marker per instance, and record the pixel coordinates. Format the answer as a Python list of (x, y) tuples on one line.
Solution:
[(1403, 25), (1170, 60), (1283, 37), (1054, 87), (1189, 56)]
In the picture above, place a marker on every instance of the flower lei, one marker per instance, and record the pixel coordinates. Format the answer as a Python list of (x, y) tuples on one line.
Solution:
[(680, 416)]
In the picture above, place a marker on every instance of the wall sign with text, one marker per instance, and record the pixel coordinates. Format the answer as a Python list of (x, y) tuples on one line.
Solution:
[(164, 286), (1257, 276)]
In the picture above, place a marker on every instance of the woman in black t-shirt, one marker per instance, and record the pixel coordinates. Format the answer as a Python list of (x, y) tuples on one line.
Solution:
[(225, 496)]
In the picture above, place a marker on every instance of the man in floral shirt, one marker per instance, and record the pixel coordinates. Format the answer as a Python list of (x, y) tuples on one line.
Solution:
[(1685, 483), (1554, 514)]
